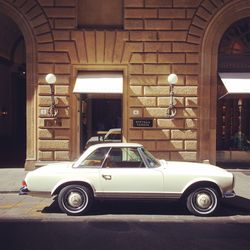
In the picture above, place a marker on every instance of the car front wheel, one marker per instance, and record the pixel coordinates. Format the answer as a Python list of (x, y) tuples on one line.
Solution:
[(75, 199), (203, 201)]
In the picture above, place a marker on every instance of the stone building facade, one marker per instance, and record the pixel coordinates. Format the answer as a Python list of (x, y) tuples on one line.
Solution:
[(156, 38)]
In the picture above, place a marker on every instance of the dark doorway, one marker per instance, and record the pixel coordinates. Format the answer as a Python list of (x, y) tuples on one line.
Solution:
[(13, 121), (106, 114), (100, 117), (12, 94)]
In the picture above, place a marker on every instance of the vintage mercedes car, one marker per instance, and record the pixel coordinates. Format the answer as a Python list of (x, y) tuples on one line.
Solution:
[(128, 171)]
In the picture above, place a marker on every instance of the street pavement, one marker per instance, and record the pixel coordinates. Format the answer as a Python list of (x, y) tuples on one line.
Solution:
[(37, 223), (11, 179)]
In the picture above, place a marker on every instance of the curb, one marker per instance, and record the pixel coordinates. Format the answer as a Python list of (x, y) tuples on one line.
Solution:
[(9, 192)]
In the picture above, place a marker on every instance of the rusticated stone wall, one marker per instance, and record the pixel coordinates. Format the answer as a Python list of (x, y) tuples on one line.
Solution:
[(162, 29), (159, 37)]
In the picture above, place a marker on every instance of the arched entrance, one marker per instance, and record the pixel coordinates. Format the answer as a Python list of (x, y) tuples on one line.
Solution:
[(12, 95), (233, 93), (223, 19), (13, 14)]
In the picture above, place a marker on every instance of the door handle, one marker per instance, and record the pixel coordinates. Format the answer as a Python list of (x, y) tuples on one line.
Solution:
[(107, 177)]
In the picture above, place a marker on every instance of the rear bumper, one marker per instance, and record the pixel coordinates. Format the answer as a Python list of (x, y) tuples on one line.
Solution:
[(23, 191)]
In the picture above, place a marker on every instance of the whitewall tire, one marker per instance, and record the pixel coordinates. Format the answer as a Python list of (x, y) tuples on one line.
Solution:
[(75, 199), (203, 201)]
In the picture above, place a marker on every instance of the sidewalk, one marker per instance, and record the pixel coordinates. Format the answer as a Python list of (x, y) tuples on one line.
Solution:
[(11, 179)]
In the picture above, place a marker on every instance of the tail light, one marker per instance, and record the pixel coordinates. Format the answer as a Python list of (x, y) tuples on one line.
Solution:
[(23, 190), (24, 184)]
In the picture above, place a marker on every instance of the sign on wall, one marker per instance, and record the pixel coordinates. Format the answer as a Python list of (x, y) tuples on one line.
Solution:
[(142, 123)]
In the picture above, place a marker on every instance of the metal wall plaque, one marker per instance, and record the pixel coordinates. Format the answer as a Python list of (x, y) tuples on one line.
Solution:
[(143, 123), (52, 123)]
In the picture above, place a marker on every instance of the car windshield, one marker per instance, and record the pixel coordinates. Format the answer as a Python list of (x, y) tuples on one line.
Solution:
[(153, 162)]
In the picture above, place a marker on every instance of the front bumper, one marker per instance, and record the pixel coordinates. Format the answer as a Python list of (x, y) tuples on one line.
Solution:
[(229, 195)]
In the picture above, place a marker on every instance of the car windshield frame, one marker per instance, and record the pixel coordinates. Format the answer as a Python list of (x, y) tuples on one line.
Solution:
[(151, 161)]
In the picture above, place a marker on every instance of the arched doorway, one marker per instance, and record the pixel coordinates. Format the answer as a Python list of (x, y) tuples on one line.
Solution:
[(208, 99), (233, 108), (12, 95)]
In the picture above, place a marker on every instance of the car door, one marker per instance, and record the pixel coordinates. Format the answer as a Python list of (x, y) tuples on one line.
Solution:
[(125, 175)]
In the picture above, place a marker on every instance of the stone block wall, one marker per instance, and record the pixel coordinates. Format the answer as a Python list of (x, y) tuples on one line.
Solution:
[(56, 54), (162, 27), (159, 37)]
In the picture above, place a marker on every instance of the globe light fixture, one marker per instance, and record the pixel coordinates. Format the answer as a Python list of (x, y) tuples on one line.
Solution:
[(51, 80), (172, 79), (171, 110)]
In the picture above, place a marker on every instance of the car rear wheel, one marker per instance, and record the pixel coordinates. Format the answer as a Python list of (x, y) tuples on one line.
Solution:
[(75, 199), (203, 201)]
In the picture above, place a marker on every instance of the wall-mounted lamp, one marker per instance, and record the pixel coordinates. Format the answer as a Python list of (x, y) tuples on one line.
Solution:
[(3, 112), (51, 80), (171, 110)]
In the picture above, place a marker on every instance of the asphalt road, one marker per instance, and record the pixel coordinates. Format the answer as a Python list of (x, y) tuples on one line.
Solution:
[(121, 234), (32, 223), (29, 223)]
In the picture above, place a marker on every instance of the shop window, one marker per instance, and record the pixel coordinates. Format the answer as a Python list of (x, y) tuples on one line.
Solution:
[(233, 119)]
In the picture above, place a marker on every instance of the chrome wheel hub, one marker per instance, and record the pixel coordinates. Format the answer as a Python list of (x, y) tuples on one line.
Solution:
[(203, 200), (75, 199)]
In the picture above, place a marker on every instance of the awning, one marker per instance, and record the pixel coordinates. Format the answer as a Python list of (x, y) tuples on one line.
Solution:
[(98, 82), (236, 84)]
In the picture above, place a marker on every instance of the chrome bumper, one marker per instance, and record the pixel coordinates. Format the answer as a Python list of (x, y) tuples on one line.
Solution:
[(229, 195), (23, 191)]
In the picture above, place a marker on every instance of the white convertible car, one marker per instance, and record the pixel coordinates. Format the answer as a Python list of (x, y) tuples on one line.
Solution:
[(128, 171)]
